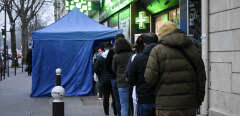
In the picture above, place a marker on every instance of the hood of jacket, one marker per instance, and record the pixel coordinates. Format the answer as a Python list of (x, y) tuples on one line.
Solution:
[(176, 38), (148, 48)]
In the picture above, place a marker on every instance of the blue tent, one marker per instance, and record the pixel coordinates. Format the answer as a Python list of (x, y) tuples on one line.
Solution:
[(66, 44)]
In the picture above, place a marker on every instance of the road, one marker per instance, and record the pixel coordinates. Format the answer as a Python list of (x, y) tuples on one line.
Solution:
[(15, 100)]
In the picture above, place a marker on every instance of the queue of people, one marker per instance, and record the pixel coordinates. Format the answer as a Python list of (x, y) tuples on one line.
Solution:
[(163, 76)]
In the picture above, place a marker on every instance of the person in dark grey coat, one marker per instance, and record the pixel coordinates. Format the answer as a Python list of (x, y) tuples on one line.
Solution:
[(120, 61)]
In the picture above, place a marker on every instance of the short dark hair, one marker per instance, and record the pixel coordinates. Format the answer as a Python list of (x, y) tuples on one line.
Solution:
[(149, 38), (118, 36), (107, 45), (122, 45)]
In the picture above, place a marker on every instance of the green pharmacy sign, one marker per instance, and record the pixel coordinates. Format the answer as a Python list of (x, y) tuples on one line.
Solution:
[(160, 5), (82, 5), (142, 20), (112, 6)]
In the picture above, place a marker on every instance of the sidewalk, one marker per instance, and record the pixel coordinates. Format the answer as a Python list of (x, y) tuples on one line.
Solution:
[(15, 100)]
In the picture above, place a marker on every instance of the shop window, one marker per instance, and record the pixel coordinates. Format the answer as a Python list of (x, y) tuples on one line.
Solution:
[(113, 22), (174, 16), (160, 19), (124, 22), (171, 15)]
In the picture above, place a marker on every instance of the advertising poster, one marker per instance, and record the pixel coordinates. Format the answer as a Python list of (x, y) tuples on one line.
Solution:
[(124, 25)]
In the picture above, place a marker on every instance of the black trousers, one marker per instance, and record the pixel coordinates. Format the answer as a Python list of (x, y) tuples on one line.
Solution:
[(131, 110), (107, 90), (29, 69)]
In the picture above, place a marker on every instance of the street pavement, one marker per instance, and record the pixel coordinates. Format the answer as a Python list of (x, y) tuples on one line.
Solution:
[(15, 100)]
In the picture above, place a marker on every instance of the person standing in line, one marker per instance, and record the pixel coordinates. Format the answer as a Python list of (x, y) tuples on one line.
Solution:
[(145, 93), (1, 66), (98, 71), (29, 62), (106, 75), (176, 72), (115, 94), (137, 50), (122, 54)]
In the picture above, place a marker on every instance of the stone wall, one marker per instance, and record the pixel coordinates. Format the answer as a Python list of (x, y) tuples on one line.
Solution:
[(224, 56)]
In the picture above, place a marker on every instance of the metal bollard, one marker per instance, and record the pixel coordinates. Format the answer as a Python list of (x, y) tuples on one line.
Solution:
[(58, 93), (58, 77)]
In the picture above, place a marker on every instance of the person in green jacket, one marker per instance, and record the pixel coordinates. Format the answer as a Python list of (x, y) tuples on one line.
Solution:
[(176, 72)]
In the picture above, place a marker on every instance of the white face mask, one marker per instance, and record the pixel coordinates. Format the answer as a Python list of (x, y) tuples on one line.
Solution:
[(105, 53)]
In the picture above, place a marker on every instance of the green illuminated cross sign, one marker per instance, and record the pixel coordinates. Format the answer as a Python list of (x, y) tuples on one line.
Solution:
[(142, 20)]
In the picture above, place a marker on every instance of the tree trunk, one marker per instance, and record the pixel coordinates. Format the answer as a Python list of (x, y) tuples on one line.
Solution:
[(24, 41), (13, 47)]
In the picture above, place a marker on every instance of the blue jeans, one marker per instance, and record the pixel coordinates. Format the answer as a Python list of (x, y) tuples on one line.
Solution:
[(116, 97), (146, 110), (124, 100)]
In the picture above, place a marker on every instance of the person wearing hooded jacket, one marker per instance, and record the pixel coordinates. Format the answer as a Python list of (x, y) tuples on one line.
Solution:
[(176, 72), (135, 74), (106, 75)]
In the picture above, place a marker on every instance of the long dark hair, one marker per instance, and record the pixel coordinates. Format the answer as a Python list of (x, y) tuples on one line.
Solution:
[(118, 36), (122, 45), (139, 44)]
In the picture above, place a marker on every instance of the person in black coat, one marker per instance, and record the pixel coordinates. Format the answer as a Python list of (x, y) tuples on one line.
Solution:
[(135, 75), (29, 62), (105, 76), (1, 65), (115, 94), (138, 48)]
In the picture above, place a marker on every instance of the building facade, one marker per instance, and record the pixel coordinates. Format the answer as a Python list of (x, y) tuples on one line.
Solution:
[(138, 16), (222, 55), (141, 16)]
